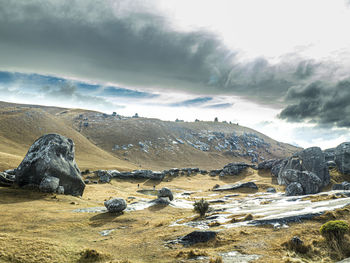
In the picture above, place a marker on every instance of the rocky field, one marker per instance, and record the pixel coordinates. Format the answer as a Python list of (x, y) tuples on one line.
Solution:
[(70, 199)]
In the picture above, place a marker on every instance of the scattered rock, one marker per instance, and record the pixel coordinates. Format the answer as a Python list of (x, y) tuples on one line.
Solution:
[(234, 168), (271, 190), (342, 157), (198, 237), (215, 172), (343, 186), (49, 184), (104, 176), (251, 185), (51, 155), (165, 192), (115, 205)]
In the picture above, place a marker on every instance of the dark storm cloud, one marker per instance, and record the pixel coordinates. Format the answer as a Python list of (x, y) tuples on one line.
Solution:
[(319, 103), (128, 43), (134, 46)]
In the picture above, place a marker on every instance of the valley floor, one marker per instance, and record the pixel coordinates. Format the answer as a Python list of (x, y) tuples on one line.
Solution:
[(37, 227)]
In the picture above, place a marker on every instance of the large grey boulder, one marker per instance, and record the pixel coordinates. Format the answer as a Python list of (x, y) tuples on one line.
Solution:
[(115, 205), (165, 192), (234, 168), (342, 157), (49, 184), (51, 155), (310, 160), (310, 182)]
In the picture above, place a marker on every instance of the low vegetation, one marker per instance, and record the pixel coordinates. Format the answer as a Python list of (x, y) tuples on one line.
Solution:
[(334, 230), (201, 207)]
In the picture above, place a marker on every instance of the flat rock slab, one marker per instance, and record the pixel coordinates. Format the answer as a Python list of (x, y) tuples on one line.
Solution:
[(251, 185)]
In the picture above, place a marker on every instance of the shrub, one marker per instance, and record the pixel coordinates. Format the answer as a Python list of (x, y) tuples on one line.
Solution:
[(334, 230), (201, 207)]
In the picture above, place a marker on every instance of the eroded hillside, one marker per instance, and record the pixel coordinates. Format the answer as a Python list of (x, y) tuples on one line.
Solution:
[(113, 141)]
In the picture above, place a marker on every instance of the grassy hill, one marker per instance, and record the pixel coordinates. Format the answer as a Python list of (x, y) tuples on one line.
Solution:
[(107, 141)]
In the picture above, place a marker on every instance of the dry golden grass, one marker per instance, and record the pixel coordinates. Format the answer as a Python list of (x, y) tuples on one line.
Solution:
[(35, 226), (20, 127)]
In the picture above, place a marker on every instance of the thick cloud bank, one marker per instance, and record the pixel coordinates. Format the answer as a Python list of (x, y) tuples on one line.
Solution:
[(128, 43), (321, 104)]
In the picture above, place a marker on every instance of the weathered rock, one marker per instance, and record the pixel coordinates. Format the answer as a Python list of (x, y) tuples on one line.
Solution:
[(267, 165), (138, 174), (104, 176), (271, 190), (309, 182), (115, 205), (311, 160), (60, 190), (342, 157), (6, 179), (251, 185), (11, 171), (215, 172), (51, 155), (277, 167), (343, 186), (49, 184), (329, 154), (294, 189), (331, 164), (198, 237), (165, 192), (234, 168)]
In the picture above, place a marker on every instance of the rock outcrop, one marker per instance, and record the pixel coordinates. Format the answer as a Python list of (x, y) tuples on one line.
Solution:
[(116, 205), (342, 157), (51, 155), (307, 167), (310, 182), (268, 164), (234, 168)]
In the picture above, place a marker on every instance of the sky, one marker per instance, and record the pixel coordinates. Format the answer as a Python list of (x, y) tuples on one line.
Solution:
[(278, 66)]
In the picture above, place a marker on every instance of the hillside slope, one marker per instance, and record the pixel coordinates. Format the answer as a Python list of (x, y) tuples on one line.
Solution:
[(21, 125), (112, 141), (156, 144)]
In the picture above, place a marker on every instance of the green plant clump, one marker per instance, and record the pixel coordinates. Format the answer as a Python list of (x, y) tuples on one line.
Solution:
[(201, 207), (334, 230)]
